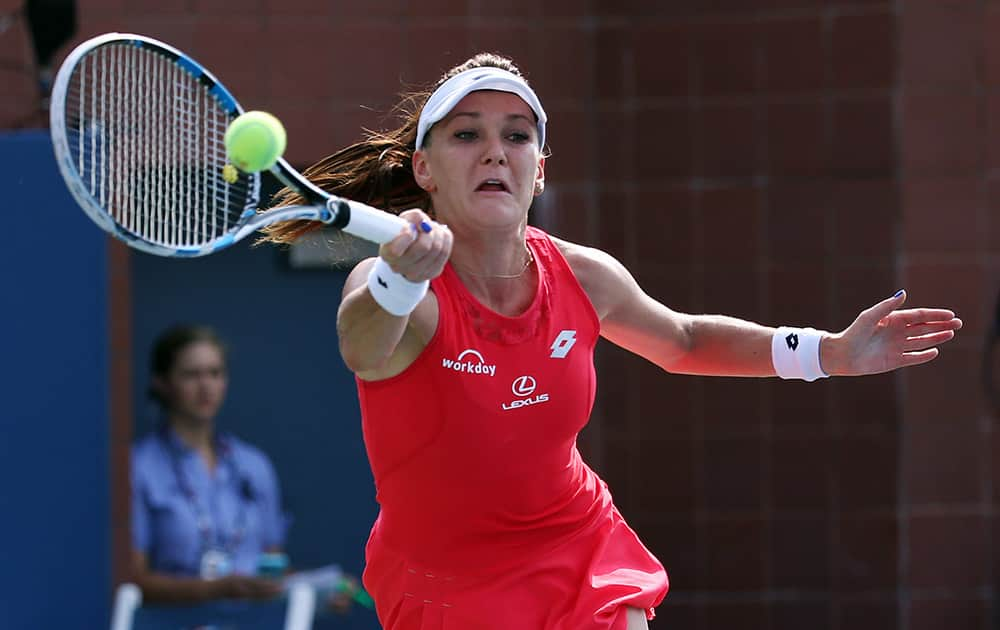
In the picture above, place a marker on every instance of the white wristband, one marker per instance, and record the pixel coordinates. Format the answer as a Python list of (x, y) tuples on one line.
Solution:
[(392, 291), (795, 353)]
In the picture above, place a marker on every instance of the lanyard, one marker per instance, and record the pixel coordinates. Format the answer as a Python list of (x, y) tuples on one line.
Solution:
[(210, 529)]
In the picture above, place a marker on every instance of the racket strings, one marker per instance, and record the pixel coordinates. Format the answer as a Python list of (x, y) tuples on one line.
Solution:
[(147, 138)]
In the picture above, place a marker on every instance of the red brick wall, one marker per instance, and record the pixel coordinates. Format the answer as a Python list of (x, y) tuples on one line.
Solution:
[(756, 173), (949, 72), (20, 102), (787, 161)]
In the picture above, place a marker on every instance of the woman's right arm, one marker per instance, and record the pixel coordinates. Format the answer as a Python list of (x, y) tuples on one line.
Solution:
[(374, 343)]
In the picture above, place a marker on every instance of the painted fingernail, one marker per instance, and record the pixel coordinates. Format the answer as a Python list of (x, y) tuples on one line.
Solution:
[(898, 293), (425, 226)]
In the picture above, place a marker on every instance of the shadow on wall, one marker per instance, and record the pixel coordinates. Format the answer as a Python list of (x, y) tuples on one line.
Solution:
[(991, 383), (991, 363), (33, 34)]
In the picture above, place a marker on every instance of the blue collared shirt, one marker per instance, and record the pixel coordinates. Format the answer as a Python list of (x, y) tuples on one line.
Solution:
[(238, 506)]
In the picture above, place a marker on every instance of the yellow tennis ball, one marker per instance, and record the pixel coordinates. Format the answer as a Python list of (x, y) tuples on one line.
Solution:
[(254, 141)]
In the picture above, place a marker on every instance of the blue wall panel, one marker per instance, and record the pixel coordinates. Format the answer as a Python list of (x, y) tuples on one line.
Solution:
[(54, 534), (290, 394)]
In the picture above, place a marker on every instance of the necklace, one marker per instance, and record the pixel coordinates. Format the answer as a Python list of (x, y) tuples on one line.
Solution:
[(508, 276)]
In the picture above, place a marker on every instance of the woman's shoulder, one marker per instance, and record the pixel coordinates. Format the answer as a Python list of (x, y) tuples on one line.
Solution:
[(149, 460), (602, 276), (585, 261)]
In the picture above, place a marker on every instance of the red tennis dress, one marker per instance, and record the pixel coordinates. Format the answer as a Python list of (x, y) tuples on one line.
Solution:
[(489, 519)]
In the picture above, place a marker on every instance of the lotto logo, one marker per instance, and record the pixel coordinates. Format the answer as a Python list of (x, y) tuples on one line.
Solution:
[(793, 342), (561, 346)]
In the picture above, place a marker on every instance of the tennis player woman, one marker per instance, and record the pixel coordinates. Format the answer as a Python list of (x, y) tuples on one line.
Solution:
[(472, 338)]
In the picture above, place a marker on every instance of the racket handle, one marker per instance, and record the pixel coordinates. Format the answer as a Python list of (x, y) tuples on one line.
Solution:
[(371, 224)]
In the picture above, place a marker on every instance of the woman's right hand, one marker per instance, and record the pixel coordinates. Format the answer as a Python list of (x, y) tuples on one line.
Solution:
[(245, 587), (420, 253)]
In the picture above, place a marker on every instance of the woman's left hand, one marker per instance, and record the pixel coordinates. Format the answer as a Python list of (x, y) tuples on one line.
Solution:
[(883, 339)]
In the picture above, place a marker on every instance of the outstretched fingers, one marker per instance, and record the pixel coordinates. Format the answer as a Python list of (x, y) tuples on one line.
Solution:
[(927, 341), (922, 339), (908, 359), (919, 330), (885, 337), (912, 316)]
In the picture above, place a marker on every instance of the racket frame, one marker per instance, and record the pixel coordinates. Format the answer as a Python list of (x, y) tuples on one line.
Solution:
[(350, 216)]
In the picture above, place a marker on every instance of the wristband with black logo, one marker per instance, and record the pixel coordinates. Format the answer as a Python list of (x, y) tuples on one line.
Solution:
[(795, 353), (392, 291)]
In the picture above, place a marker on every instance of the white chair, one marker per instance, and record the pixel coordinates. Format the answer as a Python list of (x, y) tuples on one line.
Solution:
[(128, 597), (299, 613)]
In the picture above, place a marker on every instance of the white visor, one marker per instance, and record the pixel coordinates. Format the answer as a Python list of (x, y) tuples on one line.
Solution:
[(444, 99)]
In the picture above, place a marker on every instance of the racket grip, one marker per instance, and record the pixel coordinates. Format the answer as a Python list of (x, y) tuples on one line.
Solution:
[(373, 225)]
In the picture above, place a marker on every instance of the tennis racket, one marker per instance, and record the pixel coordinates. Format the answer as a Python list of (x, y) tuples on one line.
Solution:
[(137, 127)]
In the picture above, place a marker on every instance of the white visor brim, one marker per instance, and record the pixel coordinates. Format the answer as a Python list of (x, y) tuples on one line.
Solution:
[(449, 93)]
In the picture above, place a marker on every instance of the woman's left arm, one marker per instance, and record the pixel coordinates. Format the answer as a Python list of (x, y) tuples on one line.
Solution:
[(882, 338)]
